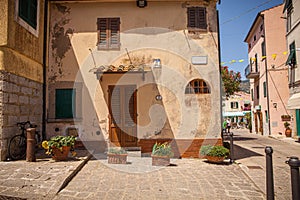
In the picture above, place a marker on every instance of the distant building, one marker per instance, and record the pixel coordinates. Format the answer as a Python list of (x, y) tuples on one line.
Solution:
[(267, 71), (292, 15)]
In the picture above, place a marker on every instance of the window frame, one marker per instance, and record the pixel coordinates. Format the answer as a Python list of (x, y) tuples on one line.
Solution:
[(23, 22), (200, 22), (112, 24), (197, 86), (234, 105), (265, 88)]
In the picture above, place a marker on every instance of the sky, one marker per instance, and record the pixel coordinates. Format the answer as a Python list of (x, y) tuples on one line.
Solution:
[(236, 18)]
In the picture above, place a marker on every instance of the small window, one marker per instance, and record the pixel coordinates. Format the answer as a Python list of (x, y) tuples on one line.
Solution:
[(234, 105), (28, 12), (65, 103), (263, 48), (257, 92), (108, 33), (197, 18), (197, 86), (261, 27), (254, 38)]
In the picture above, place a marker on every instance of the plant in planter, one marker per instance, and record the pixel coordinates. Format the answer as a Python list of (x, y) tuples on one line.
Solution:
[(117, 155), (288, 130), (161, 154), (59, 147), (285, 117), (214, 154)]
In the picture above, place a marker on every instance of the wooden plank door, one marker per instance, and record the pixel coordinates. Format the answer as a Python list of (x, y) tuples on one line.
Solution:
[(123, 117)]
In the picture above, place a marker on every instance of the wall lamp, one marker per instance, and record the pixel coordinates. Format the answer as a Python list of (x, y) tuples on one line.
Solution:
[(141, 3)]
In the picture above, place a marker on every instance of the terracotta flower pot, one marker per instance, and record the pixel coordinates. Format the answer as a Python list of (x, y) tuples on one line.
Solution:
[(60, 155), (215, 159)]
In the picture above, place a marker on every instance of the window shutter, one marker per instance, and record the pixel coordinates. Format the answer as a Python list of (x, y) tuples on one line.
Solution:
[(197, 17), (64, 103), (115, 104), (231, 104), (103, 32), (114, 33)]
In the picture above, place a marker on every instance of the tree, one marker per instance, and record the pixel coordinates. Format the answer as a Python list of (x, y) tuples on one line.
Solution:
[(231, 80)]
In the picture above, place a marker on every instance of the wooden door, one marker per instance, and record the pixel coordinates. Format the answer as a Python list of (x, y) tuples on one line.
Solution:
[(123, 117)]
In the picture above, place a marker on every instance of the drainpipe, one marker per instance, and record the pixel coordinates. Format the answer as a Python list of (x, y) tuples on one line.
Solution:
[(45, 69), (219, 57), (267, 79)]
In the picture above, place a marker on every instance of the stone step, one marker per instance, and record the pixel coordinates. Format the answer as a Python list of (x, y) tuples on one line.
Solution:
[(134, 153)]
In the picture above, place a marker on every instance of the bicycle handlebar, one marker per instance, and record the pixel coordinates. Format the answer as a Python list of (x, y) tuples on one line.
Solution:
[(23, 124)]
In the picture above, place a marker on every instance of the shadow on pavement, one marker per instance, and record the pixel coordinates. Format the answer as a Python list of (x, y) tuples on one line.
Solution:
[(240, 153)]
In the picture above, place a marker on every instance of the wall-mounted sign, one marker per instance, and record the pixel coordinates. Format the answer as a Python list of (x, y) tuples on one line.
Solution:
[(199, 60)]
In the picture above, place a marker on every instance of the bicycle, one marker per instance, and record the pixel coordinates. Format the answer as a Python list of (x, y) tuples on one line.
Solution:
[(18, 143)]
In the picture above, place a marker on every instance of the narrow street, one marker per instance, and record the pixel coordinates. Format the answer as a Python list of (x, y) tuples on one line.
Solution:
[(250, 154)]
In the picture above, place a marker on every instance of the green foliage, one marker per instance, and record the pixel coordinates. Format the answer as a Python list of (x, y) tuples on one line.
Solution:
[(286, 125), (231, 80), (164, 149), (209, 150), (115, 150), (58, 142)]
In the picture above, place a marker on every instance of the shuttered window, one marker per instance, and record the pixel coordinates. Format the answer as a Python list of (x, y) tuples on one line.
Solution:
[(28, 12), (197, 18), (64, 103), (108, 33)]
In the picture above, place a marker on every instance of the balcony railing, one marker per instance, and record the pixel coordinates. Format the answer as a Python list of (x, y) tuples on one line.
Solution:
[(251, 72)]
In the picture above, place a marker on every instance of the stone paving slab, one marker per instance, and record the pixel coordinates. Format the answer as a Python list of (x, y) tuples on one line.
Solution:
[(189, 179), (36, 180)]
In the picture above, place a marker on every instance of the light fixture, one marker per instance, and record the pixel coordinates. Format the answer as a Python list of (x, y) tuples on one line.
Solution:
[(141, 3), (156, 63), (158, 97)]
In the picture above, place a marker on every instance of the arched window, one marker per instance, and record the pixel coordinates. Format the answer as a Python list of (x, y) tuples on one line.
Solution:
[(197, 86)]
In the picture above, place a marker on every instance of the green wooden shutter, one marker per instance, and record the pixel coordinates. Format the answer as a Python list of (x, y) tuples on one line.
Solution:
[(298, 121), (265, 89), (64, 103)]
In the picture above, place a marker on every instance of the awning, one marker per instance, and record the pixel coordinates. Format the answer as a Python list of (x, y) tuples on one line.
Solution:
[(294, 101), (291, 57), (235, 114)]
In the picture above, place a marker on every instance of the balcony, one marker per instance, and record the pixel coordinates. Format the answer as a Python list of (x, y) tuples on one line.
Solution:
[(251, 72)]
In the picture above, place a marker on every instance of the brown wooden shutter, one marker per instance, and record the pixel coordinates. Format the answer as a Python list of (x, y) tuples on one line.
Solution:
[(102, 33), (197, 17), (114, 33)]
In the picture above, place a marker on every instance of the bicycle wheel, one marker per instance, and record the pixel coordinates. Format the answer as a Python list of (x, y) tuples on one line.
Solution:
[(17, 147)]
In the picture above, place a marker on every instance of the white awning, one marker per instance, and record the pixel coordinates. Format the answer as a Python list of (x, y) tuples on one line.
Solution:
[(294, 101), (235, 114)]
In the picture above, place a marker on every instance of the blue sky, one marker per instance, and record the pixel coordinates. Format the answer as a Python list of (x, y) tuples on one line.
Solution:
[(236, 18)]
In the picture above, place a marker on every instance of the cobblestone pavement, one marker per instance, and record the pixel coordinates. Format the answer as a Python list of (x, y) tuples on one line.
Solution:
[(36, 180), (189, 179), (250, 155)]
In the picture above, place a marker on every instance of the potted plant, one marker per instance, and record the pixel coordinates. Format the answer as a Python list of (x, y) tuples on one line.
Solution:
[(59, 147), (117, 155), (161, 154), (214, 154), (285, 117), (288, 130)]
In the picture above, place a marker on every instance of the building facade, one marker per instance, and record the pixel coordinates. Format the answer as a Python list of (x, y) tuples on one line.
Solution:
[(267, 71), (292, 15), (132, 73), (21, 66)]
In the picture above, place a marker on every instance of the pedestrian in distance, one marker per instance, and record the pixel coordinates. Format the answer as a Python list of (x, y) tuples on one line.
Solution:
[(224, 126), (228, 125)]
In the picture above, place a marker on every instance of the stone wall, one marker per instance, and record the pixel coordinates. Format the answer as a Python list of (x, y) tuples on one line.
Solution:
[(20, 100)]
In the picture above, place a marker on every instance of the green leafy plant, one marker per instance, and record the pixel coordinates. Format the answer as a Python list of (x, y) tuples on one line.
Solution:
[(218, 151), (115, 150), (163, 149), (58, 142), (286, 125)]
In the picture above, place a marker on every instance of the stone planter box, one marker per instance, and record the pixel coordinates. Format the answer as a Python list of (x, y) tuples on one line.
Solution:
[(117, 158), (160, 160), (215, 159)]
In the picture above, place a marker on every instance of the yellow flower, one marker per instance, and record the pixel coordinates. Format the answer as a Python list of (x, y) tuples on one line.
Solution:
[(45, 145)]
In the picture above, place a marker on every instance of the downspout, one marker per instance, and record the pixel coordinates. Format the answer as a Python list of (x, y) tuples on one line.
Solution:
[(45, 69), (267, 79), (219, 57)]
